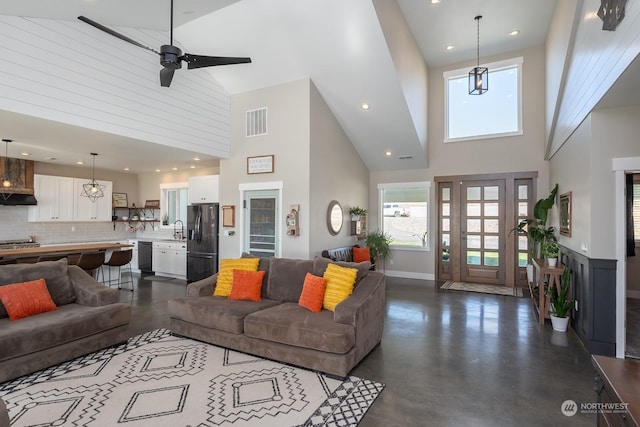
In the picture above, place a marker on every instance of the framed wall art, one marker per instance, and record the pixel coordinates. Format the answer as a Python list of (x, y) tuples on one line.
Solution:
[(565, 214), (260, 164), (119, 200)]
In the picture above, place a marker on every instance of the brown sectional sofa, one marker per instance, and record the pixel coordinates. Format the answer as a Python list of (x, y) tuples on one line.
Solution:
[(278, 328), (88, 318)]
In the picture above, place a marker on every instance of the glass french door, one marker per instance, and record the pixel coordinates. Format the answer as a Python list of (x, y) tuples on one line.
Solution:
[(482, 232), (261, 228)]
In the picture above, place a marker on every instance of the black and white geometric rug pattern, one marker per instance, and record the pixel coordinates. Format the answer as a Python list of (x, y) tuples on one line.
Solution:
[(157, 379)]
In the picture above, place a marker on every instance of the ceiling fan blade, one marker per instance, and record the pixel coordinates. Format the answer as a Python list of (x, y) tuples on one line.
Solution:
[(199, 61), (166, 75), (115, 33)]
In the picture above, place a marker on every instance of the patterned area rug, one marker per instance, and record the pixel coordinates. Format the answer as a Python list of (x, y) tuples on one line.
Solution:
[(157, 379), (485, 289)]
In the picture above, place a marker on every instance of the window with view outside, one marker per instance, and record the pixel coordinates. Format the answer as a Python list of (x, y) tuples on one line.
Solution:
[(173, 201), (404, 213), (495, 113)]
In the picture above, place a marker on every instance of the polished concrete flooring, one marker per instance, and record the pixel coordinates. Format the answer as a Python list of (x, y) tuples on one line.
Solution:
[(449, 358)]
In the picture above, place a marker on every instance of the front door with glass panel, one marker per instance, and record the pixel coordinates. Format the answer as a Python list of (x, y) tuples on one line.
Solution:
[(261, 228), (482, 232)]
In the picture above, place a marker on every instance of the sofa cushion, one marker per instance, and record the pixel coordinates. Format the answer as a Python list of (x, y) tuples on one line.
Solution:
[(286, 277), (262, 266), (291, 324), (68, 323), (339, 285), (53, 272), (320, 265), (246, 285), (361, 254), (216, 312), (225, 275), (312, 293), (26, 299)]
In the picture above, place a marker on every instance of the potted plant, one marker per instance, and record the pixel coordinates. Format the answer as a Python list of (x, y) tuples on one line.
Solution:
[(536, 230), (560, 304), (378, 243), (165, 219), (551, 251), (356, 212), (136, 215)]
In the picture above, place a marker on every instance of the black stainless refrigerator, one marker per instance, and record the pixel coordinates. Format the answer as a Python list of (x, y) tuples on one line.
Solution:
[(202, 241)]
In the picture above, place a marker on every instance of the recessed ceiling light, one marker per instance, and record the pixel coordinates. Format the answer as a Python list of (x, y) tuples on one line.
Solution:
[(174, 169), (365, 106), (50, 158), (514, 32), (192, 166), (196, 158), (157, 170), (24, 153), (80, 162), (127, 169), (434, 1), (387, 153), (449, 47)]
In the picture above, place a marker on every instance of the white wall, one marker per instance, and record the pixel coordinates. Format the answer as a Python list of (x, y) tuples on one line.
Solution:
[(336, 173), (72, 73)]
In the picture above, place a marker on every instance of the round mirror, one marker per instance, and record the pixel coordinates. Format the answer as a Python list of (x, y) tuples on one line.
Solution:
[(334, 217)]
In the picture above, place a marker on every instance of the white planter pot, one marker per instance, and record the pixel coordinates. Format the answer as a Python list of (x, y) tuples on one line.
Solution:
[(530, 273), (559, 324), (552, 262)]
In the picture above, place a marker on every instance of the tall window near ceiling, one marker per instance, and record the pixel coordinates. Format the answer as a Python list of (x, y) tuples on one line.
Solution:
[(495, 113), (405, 214)]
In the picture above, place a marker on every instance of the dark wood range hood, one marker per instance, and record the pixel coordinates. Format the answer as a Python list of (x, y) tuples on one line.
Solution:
[(21, 175)]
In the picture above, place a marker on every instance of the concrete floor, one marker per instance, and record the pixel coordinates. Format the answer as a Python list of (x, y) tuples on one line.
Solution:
[(448, 358)]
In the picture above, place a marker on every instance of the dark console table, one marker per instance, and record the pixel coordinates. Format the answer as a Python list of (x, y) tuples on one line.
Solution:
[(618, 382)]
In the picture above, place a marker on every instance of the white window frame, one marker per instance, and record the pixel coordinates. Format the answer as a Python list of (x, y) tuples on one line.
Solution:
[(163, 199), (493, 66), (407, 185)]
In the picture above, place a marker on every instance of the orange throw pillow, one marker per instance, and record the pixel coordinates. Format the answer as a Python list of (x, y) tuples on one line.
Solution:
[(26, 299), (246, 285), (312, 293), (361, 254)]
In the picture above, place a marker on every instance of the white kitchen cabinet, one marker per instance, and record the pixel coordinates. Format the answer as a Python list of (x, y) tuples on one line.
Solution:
[(55, 196), (204, 189), (170, 259), (85, 209), (134, 255)]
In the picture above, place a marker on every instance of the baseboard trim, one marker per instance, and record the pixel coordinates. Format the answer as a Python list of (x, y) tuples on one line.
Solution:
[(409, 275)]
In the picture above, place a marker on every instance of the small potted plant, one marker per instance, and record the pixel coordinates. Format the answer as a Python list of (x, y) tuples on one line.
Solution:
[(379, 243), (136, 215), (165, 219), (356, 212), (551, 251), (560, 304)]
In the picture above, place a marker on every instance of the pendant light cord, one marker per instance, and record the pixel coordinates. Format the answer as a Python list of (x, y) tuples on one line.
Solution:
[(478, 18)]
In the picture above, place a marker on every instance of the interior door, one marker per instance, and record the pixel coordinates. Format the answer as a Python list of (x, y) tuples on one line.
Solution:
[(261, 228), (482, 232)]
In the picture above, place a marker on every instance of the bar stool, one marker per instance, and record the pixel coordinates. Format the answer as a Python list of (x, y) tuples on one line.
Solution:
[(52, 257), (8, 261), (91, 261), (120, 259)]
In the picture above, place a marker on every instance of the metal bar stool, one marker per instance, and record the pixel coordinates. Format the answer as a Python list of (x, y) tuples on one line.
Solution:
[(120, 259), (91, 261)]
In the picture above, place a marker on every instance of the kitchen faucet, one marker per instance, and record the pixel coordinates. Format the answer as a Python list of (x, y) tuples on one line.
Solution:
[(178, 234)]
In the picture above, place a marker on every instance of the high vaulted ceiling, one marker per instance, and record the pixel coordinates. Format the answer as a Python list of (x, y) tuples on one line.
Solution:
[(339, 44)]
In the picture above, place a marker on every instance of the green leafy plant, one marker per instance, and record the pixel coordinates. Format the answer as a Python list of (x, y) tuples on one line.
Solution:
[(357, 211), (536, 228), (379, 243), (423, 238), (561, 304), (165, 219), (550, 249)]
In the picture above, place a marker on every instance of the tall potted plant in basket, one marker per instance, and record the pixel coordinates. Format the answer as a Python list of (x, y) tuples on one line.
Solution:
[(379, 243), (560, 304), (536, 229)]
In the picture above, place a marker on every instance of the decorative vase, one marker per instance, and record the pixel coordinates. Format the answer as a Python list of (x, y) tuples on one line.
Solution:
[(552, 261), (559, 324)]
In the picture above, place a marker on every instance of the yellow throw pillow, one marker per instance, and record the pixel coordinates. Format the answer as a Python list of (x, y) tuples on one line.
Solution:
[(225, 275), (339, 285)]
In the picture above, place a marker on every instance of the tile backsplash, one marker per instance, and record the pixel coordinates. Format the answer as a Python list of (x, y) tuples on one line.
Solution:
[(14, 225)]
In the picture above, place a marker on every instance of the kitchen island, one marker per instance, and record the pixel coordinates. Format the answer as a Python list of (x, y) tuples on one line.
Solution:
[(60, 249)]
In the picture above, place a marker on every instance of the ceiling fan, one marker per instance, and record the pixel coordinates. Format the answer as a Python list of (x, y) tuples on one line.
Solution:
[(171, 57)]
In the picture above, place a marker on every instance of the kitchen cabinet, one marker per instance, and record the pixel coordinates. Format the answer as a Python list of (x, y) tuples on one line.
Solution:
[(204, 189), (55, 195), (170, 259), (134, 255), (85, 209)]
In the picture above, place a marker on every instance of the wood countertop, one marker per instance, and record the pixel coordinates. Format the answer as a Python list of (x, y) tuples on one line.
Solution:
[(71, 248)]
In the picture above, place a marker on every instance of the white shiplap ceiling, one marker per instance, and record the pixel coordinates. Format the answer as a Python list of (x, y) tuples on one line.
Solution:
[(338, 44)]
